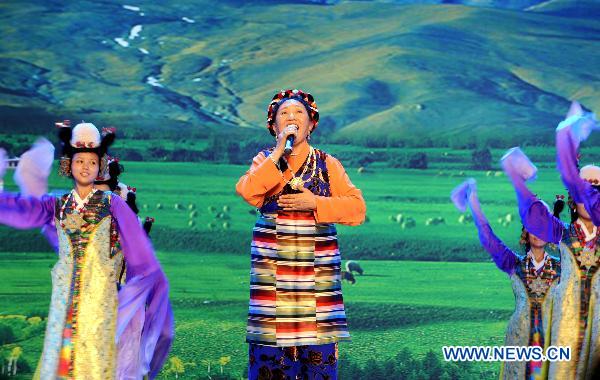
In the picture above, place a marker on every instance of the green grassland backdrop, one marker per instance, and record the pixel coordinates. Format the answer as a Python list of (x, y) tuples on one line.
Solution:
[(414, 97)]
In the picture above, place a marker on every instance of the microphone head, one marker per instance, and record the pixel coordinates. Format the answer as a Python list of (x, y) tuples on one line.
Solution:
[(289, 144), (289, 141)]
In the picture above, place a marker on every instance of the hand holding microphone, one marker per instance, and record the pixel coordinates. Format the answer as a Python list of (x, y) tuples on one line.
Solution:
[(285, 141), (289, 141)]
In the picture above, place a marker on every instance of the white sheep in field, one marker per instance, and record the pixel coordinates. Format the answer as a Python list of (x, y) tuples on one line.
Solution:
[(465, 218), (399, 218), (353, 266), (408, 223), (435, 221)]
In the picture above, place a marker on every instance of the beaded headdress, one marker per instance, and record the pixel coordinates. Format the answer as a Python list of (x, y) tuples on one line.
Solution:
[(110, 175), (303, 97), (128, 194), (84, 137), (591, 174)]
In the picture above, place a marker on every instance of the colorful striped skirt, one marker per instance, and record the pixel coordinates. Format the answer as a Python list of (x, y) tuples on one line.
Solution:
[(295, 285)]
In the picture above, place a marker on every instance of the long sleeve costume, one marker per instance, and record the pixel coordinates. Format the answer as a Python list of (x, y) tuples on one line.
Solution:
[(94, 330), (576, 307), (533, 287)]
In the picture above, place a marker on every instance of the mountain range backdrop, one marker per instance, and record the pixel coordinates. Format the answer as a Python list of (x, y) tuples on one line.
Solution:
[(386, 73), (414, 97)]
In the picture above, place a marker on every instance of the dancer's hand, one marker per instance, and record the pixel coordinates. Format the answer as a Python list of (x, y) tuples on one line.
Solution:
[(583, 127), (461, 194), (517, 165), (579, 123)]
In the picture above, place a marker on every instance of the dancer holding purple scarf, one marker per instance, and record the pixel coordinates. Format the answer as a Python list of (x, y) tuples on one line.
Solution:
[(574, 321), (94, 330), (534, 277)]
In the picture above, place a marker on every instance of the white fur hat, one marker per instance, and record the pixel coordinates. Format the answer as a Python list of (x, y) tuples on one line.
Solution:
[(85, 135), (590, 173)]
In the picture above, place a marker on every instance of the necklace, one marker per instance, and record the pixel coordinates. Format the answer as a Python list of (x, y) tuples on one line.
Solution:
[(587, 256), (78, 221), (535, 281), (297, 182)]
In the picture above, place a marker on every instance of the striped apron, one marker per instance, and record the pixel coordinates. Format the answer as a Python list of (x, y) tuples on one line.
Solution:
[(295, 277)]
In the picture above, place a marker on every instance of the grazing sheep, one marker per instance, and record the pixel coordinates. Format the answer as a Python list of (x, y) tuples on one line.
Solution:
[(223, 216), (353, 266), (408, 223), (435, 221), (348, 276), (465, 218)]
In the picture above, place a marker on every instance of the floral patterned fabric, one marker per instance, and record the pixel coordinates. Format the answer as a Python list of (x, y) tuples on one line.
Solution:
[(293, 363)]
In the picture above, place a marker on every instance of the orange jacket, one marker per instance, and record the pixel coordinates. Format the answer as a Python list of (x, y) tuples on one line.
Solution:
[(345, 206)]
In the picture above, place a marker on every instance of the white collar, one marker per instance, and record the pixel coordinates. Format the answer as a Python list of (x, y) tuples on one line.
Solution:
[(80, 203), (588, 235), (537, 265)]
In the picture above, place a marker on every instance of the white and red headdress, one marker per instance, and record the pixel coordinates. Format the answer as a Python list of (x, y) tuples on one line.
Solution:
[(84, 137), (591, 174)]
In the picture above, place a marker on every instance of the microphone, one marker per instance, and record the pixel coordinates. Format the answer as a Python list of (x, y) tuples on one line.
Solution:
[(289, 142)]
